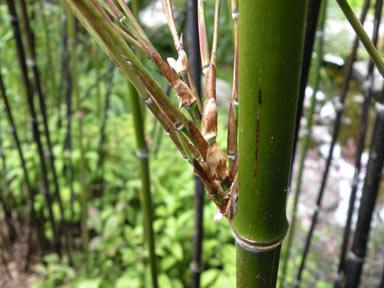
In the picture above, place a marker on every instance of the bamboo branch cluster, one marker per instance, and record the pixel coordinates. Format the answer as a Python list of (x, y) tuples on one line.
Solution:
[(118, 32)]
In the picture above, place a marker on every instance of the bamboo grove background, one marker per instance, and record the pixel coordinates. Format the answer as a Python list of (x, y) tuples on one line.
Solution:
[(94, 193)]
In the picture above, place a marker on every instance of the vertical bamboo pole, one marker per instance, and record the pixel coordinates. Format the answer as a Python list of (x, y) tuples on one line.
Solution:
[(313, 12), (71, 33), (357, 254), (271, 37), (195, 65), (307, 135), (142, 154), (360, 148), (32, 110), (146, 200)]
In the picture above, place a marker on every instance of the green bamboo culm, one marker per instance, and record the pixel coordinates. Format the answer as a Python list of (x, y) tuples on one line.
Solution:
[(142, 154), (306, 139), (145, 196), (271, 43)]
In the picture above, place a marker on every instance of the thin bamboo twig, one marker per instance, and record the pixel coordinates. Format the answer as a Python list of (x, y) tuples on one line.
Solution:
[(329, 159), (356, 257), (36, 132), (306, 138), (203, 35), (364, 38), (233, 106), (209, 122)]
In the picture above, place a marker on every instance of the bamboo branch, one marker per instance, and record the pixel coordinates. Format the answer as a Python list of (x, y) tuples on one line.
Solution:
[(364, 38)]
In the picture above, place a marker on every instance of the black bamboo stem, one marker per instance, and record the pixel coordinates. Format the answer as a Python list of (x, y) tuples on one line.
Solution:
[(360, 148), (357, 254), (335, 134), (5, 188), (313, 12), (34, 120), (195, 65), (30, 190)]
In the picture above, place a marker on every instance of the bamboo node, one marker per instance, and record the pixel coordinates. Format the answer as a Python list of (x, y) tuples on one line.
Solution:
[(30, 62), (235, 15), (236, 103), (353, 257), (253, 246), (142, 154), (379, 107), (367, 84), (319, 33), (122, 18), (339, 105), (148, 101), (180, 127), (194, 266)]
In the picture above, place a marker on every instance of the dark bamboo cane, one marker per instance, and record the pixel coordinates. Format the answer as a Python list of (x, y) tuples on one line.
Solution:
[(306, 138), (7, 212), (335, 134), (31, 192), (101, 149), (313, 11), (357, 254), (382, 281), (360, 148), (32, 110), (43, 108), (195, 65)]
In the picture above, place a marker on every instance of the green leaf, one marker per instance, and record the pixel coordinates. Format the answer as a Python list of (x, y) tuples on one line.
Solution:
[(208, 277), (111, 225)]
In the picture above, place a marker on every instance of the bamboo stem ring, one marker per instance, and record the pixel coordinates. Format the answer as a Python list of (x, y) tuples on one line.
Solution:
[(253, 246)]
